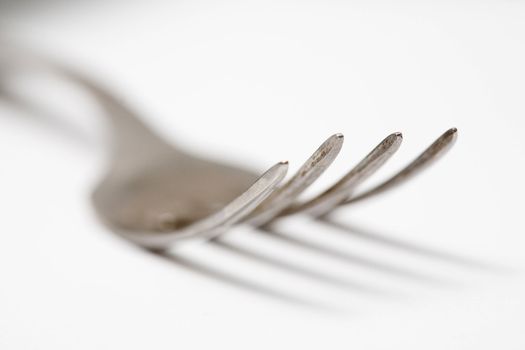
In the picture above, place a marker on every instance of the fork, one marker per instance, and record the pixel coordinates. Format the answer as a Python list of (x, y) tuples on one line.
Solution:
[(155, 194)]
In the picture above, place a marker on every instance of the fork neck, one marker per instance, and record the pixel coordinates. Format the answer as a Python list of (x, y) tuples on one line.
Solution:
[(132, 140)]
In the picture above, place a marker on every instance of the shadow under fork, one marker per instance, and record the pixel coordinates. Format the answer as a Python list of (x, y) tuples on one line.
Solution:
[(299, 270), (374, 236), (228, 278), (350, 258)]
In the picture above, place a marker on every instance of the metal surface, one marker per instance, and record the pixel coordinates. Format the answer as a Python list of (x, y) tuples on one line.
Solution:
[(437, 149), (155, 194), (304, 177), (342, 189)]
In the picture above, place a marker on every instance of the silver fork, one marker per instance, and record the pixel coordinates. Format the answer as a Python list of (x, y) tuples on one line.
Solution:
[(154, 194)]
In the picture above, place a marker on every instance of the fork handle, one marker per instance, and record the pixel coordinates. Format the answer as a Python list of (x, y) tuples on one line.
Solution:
[(130, 136)]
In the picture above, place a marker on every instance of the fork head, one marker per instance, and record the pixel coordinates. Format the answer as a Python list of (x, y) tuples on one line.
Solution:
[(167, 193)]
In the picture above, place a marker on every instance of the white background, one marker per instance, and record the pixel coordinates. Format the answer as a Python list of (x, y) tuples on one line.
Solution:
[(254, 82)]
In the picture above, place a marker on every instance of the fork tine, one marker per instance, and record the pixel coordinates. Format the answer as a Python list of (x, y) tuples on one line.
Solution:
[(318, 162), (234, 211), (342, 189), (437, 149)]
